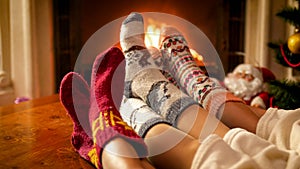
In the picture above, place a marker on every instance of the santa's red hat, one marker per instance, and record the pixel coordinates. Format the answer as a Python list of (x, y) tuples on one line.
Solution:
[(267, 74)]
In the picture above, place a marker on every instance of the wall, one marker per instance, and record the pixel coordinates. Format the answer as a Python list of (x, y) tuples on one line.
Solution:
[(27, 51), (264, 26)]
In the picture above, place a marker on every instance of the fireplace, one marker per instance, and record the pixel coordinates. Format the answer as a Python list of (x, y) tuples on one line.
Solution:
[(76, 21)]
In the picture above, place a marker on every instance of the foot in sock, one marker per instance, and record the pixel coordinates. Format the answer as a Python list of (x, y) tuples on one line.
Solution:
[(74, 96), (132, 43), (189, 76), (139, 115), (105, 119), (143, 78)]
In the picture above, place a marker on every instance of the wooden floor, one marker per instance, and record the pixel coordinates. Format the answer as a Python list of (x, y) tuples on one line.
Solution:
[(36, 134)]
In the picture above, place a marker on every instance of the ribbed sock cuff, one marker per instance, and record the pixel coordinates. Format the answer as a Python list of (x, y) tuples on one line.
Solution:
[(139, 116), (178, 108)]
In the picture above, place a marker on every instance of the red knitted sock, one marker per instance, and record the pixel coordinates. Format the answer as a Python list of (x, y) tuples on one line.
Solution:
[(105, 119), (74, 96)]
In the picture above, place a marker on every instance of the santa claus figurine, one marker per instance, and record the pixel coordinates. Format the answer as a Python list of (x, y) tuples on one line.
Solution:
[(248, 82)]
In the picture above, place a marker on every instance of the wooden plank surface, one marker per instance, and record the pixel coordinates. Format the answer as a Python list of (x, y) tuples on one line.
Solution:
[(36, 134)]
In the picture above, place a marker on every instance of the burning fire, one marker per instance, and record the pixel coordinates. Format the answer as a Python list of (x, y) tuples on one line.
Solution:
[(197, 57), (152, 38)]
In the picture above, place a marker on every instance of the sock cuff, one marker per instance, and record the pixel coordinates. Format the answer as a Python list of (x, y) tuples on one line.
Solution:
[(167, 100), (149, 124), (138, 115), (177, 108)]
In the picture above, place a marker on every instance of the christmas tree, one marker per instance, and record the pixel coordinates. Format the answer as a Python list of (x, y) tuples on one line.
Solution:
[(286, 93)]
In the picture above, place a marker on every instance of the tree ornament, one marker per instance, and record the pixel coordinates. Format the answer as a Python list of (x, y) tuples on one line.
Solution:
[(294, 43)]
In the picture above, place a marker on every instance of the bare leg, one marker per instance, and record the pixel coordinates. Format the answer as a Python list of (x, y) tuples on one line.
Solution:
[(110, 159), (237, 114), (182, 150), (179, 156), (198, 123), (258, 111), (184, 146)]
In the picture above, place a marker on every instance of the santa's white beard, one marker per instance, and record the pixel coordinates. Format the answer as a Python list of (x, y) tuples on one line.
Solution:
[(242, 88)]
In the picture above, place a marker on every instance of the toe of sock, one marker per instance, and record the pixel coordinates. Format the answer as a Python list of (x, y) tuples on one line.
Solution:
[(134, 16), (167, 31), (133, 24)]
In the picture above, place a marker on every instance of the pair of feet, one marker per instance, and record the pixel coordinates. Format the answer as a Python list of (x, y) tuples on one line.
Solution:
[(176, 61), (100, 121), (96, 120)]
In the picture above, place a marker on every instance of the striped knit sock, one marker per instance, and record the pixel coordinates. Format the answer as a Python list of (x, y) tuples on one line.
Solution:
[(105, 119), (139, 115), (187, 73), (74, 95), (143, 78)]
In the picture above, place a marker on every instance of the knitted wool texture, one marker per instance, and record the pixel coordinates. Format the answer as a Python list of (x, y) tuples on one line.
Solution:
[(189, 76), (74, 95), (105, 119), (143, 78)]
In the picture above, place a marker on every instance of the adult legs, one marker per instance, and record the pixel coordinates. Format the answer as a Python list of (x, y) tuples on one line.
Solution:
[(214, 98), (111, 157)]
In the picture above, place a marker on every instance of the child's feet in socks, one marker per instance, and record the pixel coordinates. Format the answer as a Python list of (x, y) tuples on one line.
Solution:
[(143, 78)]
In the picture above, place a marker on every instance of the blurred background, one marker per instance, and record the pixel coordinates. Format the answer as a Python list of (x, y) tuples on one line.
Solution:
[(41, 39)]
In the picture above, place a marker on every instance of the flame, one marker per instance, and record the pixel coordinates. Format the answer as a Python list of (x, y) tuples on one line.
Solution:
[(152, 38), (198, 58), (196, 55)]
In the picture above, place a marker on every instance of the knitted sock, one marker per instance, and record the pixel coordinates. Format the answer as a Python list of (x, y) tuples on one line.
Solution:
[(143, 78), (139, 115), (105, 119), (191, 78), (132, 38), (74, 96), (132, 43)]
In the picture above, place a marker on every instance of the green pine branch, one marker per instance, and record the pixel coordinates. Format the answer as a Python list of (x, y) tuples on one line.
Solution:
[(286, 94), (290, 15)]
